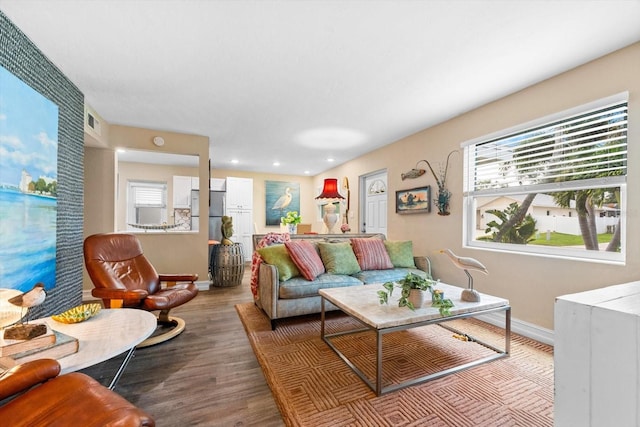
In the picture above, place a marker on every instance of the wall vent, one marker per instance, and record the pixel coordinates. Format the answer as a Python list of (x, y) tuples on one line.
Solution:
[(93, 123)]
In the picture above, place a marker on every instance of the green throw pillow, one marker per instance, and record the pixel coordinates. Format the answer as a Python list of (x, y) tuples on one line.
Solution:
[(338, 258), (278, 256), (401, 253)]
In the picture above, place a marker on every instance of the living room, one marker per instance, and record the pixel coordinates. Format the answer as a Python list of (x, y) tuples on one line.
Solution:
[(530, 282)]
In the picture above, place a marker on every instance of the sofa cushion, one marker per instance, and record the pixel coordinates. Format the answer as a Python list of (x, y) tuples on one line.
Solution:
[(382, 276), (371, 254), (338, 258), (298, 287), (305, 256), (278, 256), (401, 253)]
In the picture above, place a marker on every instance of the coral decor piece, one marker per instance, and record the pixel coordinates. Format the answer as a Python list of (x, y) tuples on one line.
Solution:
[(444, 195)]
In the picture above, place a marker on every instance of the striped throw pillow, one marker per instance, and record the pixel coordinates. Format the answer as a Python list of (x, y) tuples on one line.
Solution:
[(371, 254), (306, 258)]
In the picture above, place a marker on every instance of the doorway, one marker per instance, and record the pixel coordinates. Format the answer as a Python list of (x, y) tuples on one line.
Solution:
[(374, 202)]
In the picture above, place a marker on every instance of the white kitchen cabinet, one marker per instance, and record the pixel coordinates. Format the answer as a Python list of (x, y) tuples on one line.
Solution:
[(239, 193), (597, 357), (242, 229), (181, 192), (195, 182)]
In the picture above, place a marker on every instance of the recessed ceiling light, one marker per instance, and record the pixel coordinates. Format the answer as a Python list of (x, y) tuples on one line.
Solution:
[(276, 163), (235, 161), (121, 150), (307, 172), (330, 159)]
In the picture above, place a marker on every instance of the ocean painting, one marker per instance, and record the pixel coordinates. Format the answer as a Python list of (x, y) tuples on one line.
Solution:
[(28, 185)]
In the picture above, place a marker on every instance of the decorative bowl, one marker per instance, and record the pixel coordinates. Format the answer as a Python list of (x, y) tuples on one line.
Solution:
[(77, 314)]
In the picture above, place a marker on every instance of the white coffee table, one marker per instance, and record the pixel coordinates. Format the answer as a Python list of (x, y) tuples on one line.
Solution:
[(107, 334), (362, 303)]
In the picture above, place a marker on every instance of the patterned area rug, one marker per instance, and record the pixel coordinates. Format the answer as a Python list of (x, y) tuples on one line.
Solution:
[(314, 387)]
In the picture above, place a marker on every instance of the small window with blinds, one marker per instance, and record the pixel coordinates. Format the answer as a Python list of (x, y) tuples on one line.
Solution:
[(146, 203), (555, 186)]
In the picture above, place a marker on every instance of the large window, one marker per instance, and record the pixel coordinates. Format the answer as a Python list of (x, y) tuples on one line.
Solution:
[(146, 203), (556, 186)]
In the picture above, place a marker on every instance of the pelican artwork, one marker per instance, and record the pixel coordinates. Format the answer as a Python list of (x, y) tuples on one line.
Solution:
[(284, 201), (466, 264)]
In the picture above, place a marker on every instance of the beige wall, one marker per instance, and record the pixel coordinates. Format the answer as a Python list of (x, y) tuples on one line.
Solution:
[(143, 171), (169, 252), (307, 194), (531, 283)]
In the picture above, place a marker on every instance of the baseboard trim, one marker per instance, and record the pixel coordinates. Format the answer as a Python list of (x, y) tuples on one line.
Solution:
[(521, 327), (203, 285)]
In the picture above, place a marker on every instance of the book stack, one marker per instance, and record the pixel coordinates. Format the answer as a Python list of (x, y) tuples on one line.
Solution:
[(51, 345)]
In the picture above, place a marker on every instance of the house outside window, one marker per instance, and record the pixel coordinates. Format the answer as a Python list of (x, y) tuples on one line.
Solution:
[(146, 203), (552, 187)]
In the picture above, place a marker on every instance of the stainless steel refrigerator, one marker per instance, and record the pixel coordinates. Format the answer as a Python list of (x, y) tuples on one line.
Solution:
[(216, 211)]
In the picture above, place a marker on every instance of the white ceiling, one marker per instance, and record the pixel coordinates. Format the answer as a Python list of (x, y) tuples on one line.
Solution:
[(300, 81)]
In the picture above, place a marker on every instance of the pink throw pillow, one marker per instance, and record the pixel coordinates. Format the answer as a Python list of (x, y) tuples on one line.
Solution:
[(306, 258), (371, 254)]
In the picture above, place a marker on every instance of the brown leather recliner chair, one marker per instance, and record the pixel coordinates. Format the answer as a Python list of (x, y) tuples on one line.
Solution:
[(42, 398), (124, 277)]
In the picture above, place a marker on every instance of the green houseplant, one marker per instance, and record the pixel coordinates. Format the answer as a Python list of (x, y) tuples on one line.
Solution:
[(414, 282), (291, 220)]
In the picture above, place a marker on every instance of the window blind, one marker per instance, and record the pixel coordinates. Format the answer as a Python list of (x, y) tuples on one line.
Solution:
[(586, 145), (149, 196)]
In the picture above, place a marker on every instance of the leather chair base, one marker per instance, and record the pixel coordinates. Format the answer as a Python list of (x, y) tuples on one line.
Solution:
[(178, 327)]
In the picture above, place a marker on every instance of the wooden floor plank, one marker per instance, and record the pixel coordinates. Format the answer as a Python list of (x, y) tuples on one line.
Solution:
[(207, 376)]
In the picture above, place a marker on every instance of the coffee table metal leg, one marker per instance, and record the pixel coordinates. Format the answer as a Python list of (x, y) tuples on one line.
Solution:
[(121, 369), (378, 389)]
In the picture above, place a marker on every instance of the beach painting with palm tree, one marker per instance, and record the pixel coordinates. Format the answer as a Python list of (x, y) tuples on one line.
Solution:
[(28, 185), (281, 197)]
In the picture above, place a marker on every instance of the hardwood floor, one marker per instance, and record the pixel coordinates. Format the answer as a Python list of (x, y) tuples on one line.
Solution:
[(207, 376)]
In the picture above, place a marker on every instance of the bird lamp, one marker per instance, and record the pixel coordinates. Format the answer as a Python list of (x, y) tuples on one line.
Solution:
[(331, 194)]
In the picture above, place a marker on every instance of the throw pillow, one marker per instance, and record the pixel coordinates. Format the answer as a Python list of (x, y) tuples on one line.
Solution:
[(306, 258), (278, 256), (338, 258), (400, 253), (371, 254)]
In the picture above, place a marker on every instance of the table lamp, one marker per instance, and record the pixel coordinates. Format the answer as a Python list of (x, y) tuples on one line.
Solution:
[(330, 193)]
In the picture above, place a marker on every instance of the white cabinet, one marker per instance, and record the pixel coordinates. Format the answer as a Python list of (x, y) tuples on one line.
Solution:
[(239, 206), (181, 192), (239, 193), (195, 183), (597, 357), (242, 229)]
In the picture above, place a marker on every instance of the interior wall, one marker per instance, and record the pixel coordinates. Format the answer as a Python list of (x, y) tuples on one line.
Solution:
[(531, 283), (143, 171), (307, 194), (185, 252), (22, 58)]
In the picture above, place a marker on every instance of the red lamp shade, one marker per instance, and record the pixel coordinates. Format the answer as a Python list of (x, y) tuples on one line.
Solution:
[(330, 189)]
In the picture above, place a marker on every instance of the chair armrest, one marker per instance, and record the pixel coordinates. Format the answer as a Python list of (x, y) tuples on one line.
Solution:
[(268, 288), (178, 277), (26, 375), (120, 294), (423, 263)]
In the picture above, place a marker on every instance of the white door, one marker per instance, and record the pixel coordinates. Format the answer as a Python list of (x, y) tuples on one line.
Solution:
[(375, 201)]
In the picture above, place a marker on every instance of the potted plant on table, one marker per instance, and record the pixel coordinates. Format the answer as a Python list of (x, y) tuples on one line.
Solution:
[(291, 221), (412, 289)]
